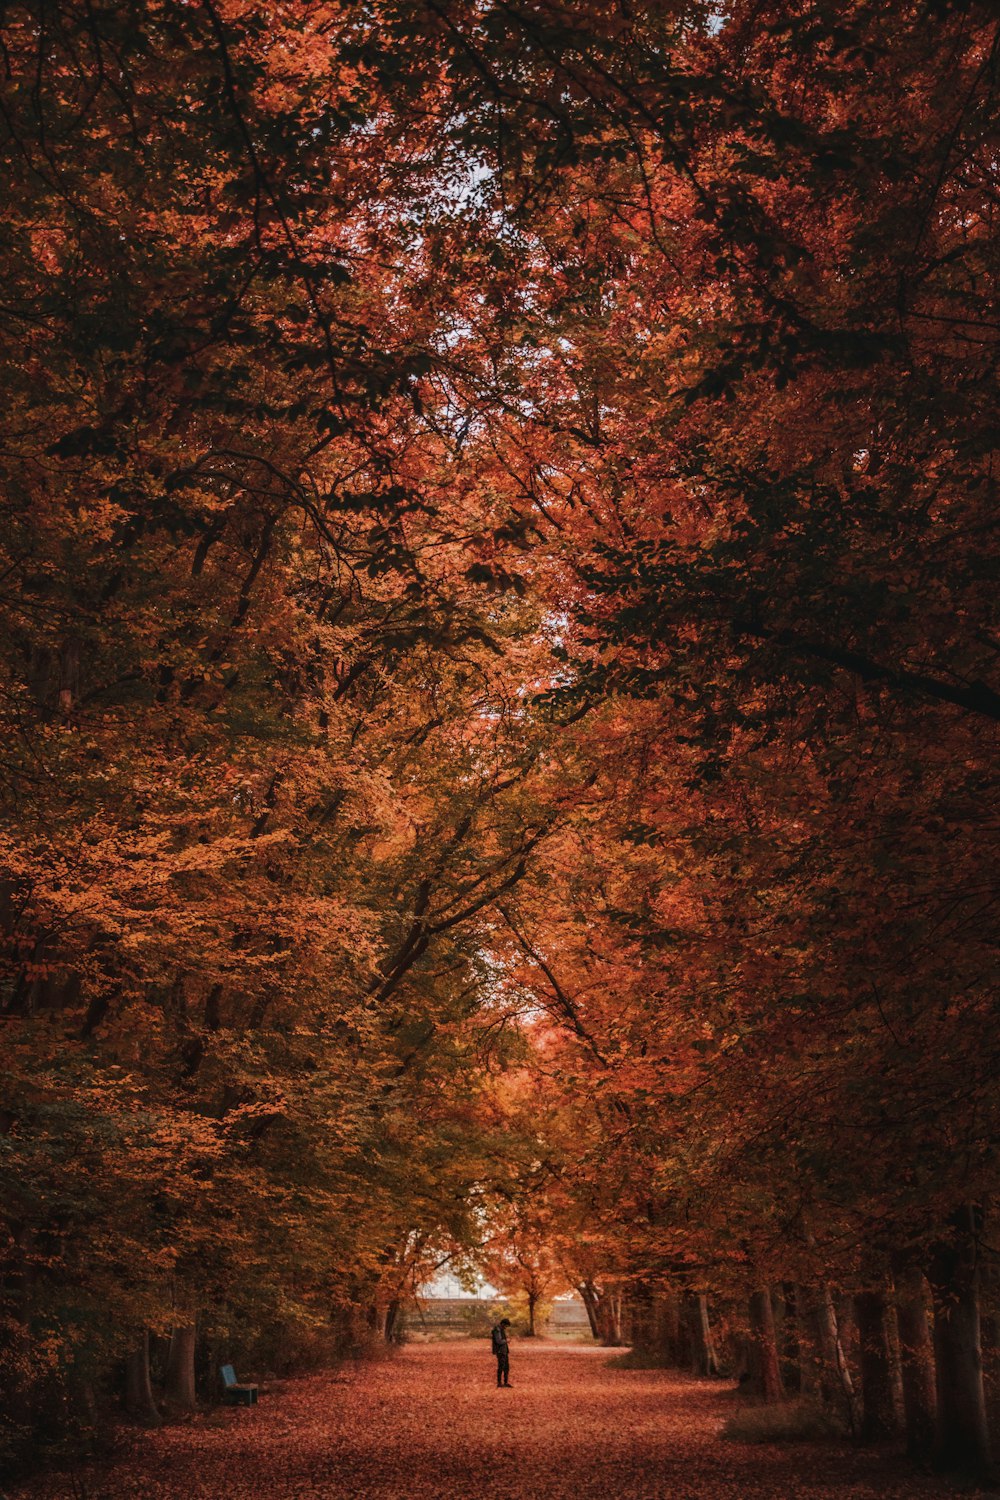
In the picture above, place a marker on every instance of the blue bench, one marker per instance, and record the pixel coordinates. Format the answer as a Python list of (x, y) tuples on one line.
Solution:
[(233, 1392)]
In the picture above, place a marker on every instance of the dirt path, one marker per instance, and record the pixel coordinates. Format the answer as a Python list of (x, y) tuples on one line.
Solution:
[(430, 1425)]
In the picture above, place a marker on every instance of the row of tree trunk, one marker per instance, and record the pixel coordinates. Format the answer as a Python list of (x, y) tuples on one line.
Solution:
[(179, 1376), (177, 1391), (902, 1356)]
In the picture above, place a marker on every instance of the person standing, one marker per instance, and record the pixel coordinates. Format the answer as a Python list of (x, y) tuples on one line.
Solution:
[(501, 1349)]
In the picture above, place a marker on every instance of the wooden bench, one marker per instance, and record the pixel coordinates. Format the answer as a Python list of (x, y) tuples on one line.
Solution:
[(234, 1393)]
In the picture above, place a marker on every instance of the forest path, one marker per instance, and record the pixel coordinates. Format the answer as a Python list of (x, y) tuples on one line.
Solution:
[(429, 1424)]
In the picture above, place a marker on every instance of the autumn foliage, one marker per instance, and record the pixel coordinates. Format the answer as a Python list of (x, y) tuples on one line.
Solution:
[(499, 690)]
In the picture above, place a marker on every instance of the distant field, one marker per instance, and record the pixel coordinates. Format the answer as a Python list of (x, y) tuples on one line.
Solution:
[(463, 1317)]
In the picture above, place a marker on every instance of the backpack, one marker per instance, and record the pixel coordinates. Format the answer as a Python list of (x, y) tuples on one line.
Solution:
[(496, 1336)]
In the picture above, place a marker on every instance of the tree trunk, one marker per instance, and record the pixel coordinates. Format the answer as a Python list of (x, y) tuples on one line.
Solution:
[(589, 1296), (989, 1307), (835, 1383), (847, 1332), (878, 1398), (963, 1441), (139, 1402), (391, 1319), (179, 1384), (765, 1371), (703, 1360), (810, 1355), (668, 1329), (917, 1356), (642, 1320), (532, 1299), (609, 1316), (791, 1353)]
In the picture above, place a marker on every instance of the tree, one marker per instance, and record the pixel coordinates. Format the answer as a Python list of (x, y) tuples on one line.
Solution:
[(519, 1259), (498, 609)]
